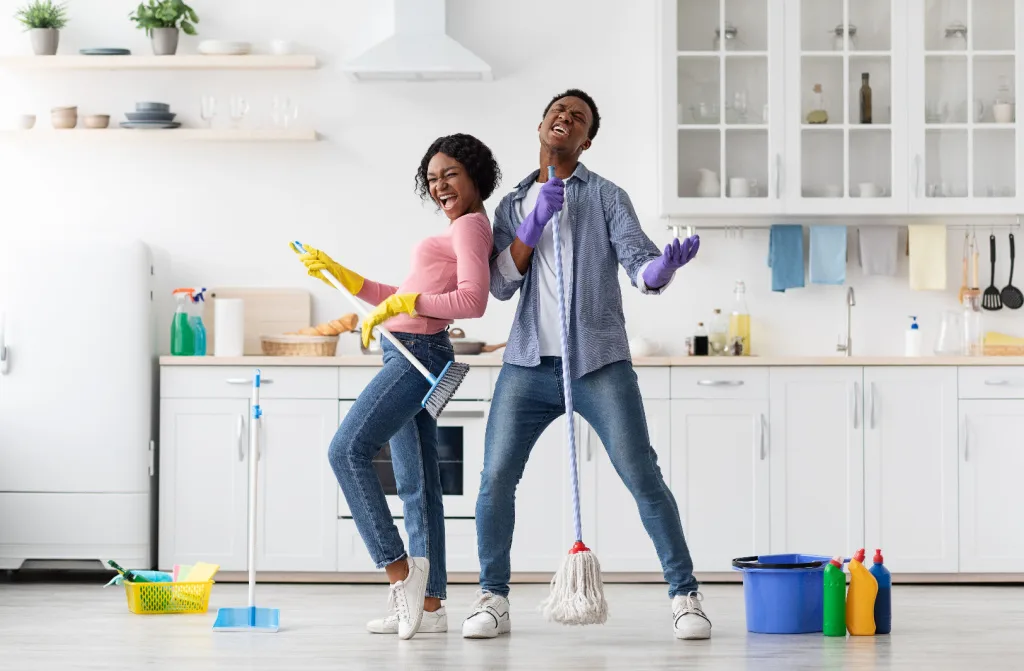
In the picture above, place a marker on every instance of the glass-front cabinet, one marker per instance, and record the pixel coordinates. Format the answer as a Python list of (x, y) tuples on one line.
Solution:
[(722, 68), (965, 148), (845, 106), (838, 107)]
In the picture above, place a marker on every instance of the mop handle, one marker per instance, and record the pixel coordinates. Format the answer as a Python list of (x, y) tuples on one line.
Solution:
[(566, 377), (361, 310), (254, 452)]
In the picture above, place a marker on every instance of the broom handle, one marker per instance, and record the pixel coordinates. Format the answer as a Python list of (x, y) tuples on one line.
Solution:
[(254, 457), (566, 377), (361, 310)]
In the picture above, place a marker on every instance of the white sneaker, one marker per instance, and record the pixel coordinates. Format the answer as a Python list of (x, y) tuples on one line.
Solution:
[(489, 617), (689, 621), (406, 597), (432, 623)]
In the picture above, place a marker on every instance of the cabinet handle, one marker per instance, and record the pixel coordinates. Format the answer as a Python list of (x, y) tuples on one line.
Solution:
[(248, 381), (856, 405), (778, 175), (917, 175), (238, 437), (997, 383), (259, 439), (590, 451), (4, 351), (872, 394), (966, 436), (463, 414), (764, 430), (720, 383)]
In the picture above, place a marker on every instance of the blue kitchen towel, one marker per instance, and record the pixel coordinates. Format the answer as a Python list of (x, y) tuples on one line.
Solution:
[(828, 255), (786, 256)]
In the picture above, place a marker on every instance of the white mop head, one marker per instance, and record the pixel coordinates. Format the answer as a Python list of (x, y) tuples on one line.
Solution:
[(577, 592)]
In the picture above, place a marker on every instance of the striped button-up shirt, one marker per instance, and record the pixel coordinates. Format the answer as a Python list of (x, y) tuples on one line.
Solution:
[(604, 232)]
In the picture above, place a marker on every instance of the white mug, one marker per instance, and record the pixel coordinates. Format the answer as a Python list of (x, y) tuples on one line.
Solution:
[(1003, 112), (869, 190), (739, 187)]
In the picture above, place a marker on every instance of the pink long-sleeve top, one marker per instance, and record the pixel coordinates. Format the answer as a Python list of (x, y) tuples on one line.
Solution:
[(450, 272)]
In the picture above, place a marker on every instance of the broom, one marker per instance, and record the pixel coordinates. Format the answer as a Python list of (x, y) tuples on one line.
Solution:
[(577, 593), (442, 387)]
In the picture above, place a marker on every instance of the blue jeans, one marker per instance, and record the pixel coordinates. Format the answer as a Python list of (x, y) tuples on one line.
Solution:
[(526, 401), (389, 410)]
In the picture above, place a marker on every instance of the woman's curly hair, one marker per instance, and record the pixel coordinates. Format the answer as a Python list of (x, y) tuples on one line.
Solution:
[(473, 154)]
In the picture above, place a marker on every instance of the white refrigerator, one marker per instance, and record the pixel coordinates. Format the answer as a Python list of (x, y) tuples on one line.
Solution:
[(77, 381)]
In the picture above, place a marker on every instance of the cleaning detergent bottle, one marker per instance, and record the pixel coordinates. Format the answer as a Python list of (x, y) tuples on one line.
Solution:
[(883, 602), (834, 599), (182, 335), (198, 328), (860, 600), (914, 340)]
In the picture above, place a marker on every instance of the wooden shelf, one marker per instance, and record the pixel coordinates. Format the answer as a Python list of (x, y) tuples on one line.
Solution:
[(168, 135), (182, 62)]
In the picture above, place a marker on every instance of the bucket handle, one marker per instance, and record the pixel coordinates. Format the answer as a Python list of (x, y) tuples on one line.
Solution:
[(752, 562)]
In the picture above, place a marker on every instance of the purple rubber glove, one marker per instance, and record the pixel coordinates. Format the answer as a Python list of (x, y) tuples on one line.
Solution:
[(550, 200), (676, 255)]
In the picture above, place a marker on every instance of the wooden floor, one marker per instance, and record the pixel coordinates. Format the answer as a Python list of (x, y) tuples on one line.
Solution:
[(82, 626)]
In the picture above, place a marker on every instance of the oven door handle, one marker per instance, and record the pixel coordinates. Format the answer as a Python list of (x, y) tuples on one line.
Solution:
[(462, 414)]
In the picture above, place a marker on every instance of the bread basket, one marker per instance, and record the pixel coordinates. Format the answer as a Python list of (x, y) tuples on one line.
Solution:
[(299, 345)]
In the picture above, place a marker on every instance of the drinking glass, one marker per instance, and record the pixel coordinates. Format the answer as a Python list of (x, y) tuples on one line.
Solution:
[(739, 105), (285, 112), (208, 110), (239, 108)]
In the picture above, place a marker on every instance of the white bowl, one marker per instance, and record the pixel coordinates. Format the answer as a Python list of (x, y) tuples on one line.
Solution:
[(224, 48), (26, 121), (282, 47)]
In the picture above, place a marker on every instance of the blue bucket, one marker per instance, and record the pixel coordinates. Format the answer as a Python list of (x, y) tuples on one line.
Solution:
[(783, 594)]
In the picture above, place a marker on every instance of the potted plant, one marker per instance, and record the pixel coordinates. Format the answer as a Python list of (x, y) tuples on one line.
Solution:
[(161, 19), (43, 20)]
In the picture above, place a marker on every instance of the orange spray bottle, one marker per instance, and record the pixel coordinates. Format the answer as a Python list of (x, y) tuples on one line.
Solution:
[(860, 600)]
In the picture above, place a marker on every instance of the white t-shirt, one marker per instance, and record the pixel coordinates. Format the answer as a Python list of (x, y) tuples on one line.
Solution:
[(547, 281)]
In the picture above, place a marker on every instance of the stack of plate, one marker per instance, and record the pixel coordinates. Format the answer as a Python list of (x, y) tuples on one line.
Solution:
[(224, 48), (151, 115), (105, 51)]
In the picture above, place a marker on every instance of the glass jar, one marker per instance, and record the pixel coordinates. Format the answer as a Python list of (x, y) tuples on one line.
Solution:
[(718, 334), (839, 32)]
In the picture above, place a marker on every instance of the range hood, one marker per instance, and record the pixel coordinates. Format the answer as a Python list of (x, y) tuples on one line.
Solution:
[(418, 50)]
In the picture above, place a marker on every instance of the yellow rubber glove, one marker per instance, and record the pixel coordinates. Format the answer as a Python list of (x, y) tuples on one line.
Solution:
[(393, 305), (317, 261)]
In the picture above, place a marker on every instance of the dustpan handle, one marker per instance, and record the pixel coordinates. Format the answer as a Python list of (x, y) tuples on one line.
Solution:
[(254, 451)]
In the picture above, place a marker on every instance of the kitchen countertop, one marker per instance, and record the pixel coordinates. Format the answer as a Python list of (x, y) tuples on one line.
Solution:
[(688, 361)]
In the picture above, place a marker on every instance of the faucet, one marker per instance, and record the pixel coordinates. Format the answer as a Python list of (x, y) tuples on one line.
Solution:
[(851, 301)]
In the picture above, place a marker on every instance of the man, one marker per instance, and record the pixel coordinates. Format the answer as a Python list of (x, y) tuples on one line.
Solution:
[(599, 230)]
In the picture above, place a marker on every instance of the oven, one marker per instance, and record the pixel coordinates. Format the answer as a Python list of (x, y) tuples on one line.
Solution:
[(460, 446)]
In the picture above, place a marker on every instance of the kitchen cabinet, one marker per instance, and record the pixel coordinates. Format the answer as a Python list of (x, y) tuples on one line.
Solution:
[(817, 460), (297, 498), (611, 524), (204, 475), (460, 547), (720, 478), (910, 464), (991, 462)]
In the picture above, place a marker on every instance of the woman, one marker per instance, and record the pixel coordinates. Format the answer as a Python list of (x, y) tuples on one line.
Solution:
[(449, 280)]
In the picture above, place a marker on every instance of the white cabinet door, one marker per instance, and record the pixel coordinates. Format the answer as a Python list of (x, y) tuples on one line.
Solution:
[(459, 539), (544, 525), (204, 473), (719, 467), (991, 462), (910, 467), (721, 121), (614, 530), (817, 460), (298, 513)]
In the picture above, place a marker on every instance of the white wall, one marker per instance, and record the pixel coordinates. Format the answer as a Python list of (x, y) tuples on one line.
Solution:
[(222, 215)]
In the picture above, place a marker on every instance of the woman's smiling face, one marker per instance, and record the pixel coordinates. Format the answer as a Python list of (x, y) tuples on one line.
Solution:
[(451, 187)]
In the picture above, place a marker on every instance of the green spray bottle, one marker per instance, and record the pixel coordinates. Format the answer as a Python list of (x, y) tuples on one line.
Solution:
[(834, 599), (182, 335)]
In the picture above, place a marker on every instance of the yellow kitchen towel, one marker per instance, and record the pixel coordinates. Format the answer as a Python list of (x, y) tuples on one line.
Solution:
[(927, 257), (201, 572)]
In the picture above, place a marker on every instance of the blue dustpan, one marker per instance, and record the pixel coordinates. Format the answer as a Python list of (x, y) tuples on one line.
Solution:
[(251, 618)]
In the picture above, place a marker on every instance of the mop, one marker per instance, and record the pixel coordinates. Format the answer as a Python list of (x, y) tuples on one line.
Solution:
[(442, 387), (577, 593), (251, 618)]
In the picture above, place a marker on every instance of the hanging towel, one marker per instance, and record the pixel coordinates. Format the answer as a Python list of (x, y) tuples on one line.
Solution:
[(927, 257), (786, 256), (879, 246), (828, 255)]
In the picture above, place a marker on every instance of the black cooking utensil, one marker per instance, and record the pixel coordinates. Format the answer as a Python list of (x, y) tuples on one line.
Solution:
[(1011, 295), (991, 300)]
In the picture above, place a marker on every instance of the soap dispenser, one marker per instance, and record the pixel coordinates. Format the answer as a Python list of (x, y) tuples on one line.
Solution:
[(914, 346)]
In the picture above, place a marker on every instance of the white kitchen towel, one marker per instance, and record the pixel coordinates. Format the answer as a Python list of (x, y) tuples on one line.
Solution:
[(927, 257), (879, 246)]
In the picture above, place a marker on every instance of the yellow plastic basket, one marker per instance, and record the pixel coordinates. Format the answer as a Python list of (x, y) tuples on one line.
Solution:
[(151, 598)]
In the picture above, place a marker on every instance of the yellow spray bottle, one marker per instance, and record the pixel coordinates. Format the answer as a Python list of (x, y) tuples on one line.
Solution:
[(860, 600)]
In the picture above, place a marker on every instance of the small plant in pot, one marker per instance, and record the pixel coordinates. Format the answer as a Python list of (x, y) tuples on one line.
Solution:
[(162, 19), (44, 21)]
